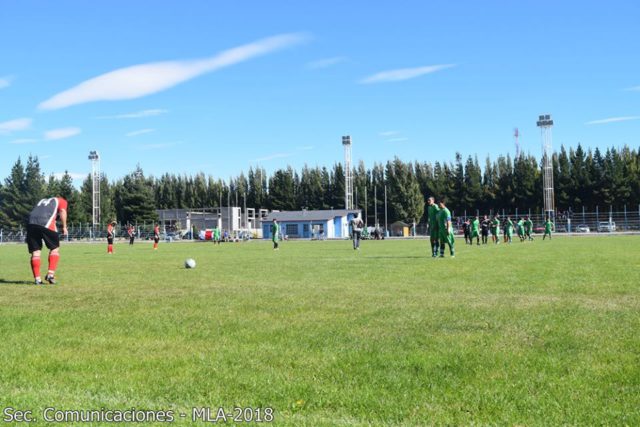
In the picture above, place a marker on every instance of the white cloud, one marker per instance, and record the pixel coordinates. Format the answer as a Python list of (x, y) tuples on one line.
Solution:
[(137, 114), (613, 120), (390, 133), (325, 62), (272, 157), (61, 133), (145, 79), (73, 175), (5, 82), (23, 141), (397, 139), (140, 132), (306, 148), (159, 145), (15, 125), (634, 88), (404, 73)]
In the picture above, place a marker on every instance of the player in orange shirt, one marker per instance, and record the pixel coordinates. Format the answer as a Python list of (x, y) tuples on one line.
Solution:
[(111, 233), (156, 236)]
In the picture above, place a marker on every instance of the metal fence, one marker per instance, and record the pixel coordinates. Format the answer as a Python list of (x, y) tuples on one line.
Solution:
[(569, 221), (598, 221), (88, 232)]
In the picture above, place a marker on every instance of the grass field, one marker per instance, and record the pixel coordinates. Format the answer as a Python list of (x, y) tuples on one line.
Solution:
[(541, 333)]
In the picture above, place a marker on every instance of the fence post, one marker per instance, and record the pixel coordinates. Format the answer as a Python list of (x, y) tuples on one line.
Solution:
[(610, 214), (597, 217), (626, 225)]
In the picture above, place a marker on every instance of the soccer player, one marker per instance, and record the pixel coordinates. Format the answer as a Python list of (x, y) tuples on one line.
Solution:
[(445, 229), (275, 234), (475, 232), (520, 226), (132, 234), (111, 233), (528, 226), (42, 226), (466, 230), (216, 235), (484, 229), (156, 236), (508, 230), (356, 231), (432, 218), (548, 226), (495, 230)]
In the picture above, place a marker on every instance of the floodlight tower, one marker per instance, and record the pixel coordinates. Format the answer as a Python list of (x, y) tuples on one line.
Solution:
[(348, 178), (545, 123), (95, 180), (516, 135)]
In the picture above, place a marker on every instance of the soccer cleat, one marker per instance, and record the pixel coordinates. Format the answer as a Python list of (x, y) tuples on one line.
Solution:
[(49, 278), (38, 282)]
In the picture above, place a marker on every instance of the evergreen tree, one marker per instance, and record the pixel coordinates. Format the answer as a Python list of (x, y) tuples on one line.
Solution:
[(134, 199)]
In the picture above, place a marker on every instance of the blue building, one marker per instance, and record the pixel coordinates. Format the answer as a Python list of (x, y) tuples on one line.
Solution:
[(304, 224)]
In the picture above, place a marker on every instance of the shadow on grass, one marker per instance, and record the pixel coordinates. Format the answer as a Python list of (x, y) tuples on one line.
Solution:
[(15, 282)]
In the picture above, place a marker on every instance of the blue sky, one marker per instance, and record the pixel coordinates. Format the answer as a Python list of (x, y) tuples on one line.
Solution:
[(217, 86)]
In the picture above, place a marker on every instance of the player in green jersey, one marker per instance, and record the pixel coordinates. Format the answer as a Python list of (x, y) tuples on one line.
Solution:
[(548, 226), (495, 229), (528, 227), (520, 229), (275, 234), (445, 229), (508, 230), (432, 218), (475, 230)]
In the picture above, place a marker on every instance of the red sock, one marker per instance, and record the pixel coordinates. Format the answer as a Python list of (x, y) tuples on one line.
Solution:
[(110, 249), (53, 262), (35, 266), (155, 246)]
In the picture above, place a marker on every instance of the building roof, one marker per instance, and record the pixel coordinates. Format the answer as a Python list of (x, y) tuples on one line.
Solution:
[(399, 224), (305, 215)]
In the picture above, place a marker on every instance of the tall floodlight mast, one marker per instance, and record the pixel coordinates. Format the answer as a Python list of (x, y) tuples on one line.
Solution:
[(545, 123), (95, 180), (516, 136), (348, 177)]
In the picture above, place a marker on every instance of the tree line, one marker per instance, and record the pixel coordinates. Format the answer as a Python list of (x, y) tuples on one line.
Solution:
[(582, 179)]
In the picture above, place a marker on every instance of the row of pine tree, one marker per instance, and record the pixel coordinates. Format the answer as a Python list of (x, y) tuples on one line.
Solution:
[(582, 179)]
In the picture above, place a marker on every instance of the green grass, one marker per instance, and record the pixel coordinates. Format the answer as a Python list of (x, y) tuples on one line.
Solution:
[(541, 333)]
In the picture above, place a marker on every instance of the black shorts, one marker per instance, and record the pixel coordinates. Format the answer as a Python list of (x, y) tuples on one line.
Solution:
[(110, 240), (37, 233), (156, 239), (485, 232)]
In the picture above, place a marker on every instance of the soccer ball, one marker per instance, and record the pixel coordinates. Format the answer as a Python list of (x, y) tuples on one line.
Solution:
[(190, 263)]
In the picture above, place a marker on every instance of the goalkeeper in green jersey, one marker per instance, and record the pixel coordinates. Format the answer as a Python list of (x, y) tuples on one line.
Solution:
[(548, 226), (445, 229), (528, 227), (432, 218)]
